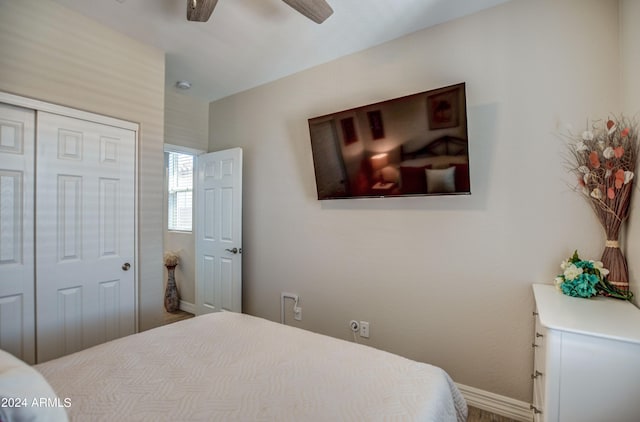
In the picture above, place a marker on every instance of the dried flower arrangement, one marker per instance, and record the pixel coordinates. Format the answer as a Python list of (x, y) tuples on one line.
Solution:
[(171, 258), (604, 160)]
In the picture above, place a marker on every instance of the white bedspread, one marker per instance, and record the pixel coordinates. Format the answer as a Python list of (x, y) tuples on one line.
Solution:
[(234, 367)]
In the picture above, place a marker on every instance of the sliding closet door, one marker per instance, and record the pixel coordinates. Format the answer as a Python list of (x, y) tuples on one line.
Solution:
[(85, 234), (17, 314)]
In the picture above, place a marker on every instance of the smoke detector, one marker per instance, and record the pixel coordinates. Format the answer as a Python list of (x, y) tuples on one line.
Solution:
[(183, 84)]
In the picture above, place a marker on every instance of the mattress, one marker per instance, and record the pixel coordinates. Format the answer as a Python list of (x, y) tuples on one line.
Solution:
[(235, 367)]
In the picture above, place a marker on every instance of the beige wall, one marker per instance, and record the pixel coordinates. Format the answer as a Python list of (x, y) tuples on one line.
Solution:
[(630, 92), (186, 124), (186, 120), (52, 54), (445, 280)]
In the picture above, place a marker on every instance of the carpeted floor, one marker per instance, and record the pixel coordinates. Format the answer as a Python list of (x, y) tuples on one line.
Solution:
[(478, 415), (176, 316)]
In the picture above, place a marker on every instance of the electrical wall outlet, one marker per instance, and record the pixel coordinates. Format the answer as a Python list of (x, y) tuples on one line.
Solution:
[(354, 325), (364, 329), (297, 311)]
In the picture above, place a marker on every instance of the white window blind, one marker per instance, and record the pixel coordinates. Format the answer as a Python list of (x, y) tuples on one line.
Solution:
[(180, 190)]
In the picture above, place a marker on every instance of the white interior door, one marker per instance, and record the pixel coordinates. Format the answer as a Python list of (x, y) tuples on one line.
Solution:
[(17, 312), (218, 230), (85, 228)]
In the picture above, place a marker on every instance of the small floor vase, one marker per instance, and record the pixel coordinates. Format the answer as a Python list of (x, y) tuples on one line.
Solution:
[(171, 295)]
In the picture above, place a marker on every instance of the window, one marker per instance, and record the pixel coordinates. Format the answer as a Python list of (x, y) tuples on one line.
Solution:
[(180, 190)]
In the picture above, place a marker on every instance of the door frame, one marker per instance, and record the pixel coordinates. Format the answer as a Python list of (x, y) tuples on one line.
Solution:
[(167, 234), (38, 105)]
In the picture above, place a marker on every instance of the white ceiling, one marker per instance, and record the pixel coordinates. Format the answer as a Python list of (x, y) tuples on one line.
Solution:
[(247, 43)]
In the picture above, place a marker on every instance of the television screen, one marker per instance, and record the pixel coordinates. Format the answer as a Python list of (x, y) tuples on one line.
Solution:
[(408, 146)]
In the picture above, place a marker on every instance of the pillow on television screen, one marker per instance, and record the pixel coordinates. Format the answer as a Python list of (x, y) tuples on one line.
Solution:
[(462, 177), (20, 385), (441, 180), (413, 179)]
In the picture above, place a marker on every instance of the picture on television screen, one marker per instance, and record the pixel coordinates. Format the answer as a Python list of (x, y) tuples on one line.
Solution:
[(410, 146)]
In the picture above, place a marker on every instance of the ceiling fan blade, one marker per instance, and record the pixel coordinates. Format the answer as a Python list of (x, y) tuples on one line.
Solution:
[(200, 10), (316, 10)]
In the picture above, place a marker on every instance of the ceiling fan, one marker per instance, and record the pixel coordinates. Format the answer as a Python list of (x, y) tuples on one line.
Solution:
[(316, 10)]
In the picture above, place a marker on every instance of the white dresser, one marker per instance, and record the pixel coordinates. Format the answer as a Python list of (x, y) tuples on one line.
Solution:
[(587, 358)]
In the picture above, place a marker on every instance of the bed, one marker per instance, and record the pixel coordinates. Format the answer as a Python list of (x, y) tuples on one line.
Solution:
[(440, 166), (229, 366)]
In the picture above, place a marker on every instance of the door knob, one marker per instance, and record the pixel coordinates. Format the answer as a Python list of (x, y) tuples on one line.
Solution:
[(126, 266), (234, 250)]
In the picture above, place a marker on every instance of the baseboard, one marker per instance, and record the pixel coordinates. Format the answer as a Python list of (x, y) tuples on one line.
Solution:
[(495, 403), (188, 307)]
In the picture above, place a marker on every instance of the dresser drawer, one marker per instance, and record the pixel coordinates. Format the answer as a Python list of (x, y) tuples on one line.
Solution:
[(538, 343)]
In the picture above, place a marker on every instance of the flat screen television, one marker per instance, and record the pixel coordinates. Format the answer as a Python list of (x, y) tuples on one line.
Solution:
[(409, 146)]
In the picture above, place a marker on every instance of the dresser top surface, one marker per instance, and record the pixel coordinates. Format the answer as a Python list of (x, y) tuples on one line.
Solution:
[(597, 316)]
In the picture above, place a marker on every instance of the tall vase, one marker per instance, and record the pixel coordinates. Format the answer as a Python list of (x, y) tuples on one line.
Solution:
[(613, 259), (171, 296)]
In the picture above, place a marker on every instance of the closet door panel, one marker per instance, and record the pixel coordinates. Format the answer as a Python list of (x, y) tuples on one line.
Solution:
[(85, 205), (17, 320)]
